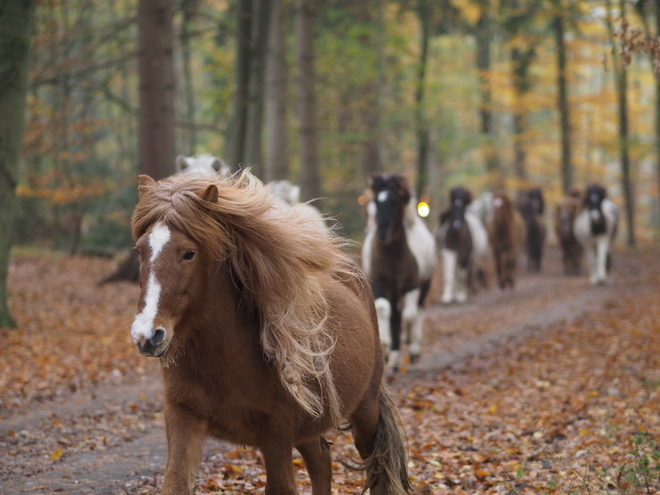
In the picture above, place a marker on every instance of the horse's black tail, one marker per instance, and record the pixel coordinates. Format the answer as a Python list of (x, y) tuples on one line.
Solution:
[(387, 466)]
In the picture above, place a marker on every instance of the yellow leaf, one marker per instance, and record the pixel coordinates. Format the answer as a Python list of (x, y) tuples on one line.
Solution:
[(493, 409), (56, 454)]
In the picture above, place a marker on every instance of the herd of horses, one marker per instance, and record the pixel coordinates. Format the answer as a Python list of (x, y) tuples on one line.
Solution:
[(269, 333)]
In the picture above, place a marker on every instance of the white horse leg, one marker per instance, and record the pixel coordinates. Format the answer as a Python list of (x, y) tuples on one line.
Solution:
[(415, 349), (602, 248), (461, 285), (409, 314), (449, 261), (384, 312), (590, 256)]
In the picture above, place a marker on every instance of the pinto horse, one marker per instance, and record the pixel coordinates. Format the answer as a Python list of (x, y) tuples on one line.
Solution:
[(266, 334), (398, 256), (462, 241), (595, 229)]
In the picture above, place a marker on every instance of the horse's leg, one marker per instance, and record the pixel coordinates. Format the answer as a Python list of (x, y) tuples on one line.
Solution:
[(461, 284), (590, 256), (384, 312), (602, 251), (412, 322), (185, 438), (278, 458), (395, 326), (449, 261), (316, 454)]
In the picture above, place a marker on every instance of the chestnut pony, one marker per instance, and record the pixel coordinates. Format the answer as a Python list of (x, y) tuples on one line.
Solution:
[(266, 333)]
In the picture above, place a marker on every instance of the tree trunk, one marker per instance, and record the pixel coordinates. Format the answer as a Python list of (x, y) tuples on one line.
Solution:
[(235, 152), (621, 83), (16, 18), (562, 102), (256, 88), (277, 164), (188, 8), (483, 35), (424, 13), (309, 165), (156, 147), (522, 59), (156, 119)]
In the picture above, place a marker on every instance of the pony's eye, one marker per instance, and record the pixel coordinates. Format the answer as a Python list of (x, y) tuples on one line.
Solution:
[(137, 250), (188, 255)]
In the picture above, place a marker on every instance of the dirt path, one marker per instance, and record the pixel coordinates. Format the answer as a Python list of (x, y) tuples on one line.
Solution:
[(112, 441)]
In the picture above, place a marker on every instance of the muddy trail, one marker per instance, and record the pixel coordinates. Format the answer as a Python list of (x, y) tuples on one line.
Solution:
[(110, 439)]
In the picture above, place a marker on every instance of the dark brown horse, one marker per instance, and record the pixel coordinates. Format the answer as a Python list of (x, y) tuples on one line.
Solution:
[(566, 210), (506, 233), (530, 204), (266, 333)]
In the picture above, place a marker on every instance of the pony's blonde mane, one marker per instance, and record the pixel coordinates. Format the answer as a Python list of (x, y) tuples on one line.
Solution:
[(279, 258)]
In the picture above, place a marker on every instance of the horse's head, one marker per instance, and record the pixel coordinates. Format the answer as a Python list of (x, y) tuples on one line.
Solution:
[(502, 206), (205, 165), (460, 198), (594, 196), (391, 194), (173, 269), (535, 196)]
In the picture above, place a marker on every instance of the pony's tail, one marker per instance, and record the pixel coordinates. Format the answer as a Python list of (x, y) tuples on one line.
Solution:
[(387, 466)]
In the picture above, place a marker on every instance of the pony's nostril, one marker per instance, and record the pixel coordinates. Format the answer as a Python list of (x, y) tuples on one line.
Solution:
[(157, 337)]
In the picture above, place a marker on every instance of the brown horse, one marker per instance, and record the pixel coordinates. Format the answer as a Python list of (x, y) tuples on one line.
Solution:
[(506, 233), (266, 333), (566, 210)]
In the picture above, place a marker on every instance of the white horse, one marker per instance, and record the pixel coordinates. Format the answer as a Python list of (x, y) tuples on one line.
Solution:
[(462, 240), (595, 228), (205, 165), (389, 273), (289, 194)]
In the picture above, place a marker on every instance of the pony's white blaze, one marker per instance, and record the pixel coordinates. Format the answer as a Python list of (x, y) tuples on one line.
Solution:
[(143, 325), (382, 196)]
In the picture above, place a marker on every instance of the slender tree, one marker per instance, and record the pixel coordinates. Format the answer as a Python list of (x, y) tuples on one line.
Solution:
[(156, 68), (309, 163), (235, 150), (424, 12), (188, 9), (277, 166), (16, 18), (621, 83), (256, 86), (558, 22), (483, 34)]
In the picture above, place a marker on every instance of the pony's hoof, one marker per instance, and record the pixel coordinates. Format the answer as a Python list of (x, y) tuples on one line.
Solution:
[(461, 298), (447, 300), (414, 358)]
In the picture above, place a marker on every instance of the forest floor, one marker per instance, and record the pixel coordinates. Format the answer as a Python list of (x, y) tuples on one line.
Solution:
[(551, 388)]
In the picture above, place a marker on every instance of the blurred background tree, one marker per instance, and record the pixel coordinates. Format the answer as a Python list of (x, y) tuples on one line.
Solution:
[(16, 17), (475, 92)]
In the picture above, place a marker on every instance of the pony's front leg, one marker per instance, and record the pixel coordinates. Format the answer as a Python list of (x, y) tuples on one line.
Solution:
[(602, 249), (461, 284), (279, 465), (449, 262), (591, 259), (185, 438), (412, 323), (384, 312), (316, 454)]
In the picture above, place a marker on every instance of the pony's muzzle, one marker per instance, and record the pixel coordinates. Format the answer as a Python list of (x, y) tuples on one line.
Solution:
[(151, 346)]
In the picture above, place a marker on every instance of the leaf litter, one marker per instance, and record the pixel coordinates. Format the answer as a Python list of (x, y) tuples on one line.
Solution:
[(572, 407)]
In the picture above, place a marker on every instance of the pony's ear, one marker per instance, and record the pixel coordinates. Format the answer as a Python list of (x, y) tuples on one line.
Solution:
[(403, 191), (145, 184), (181, 163), (210, 194)]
